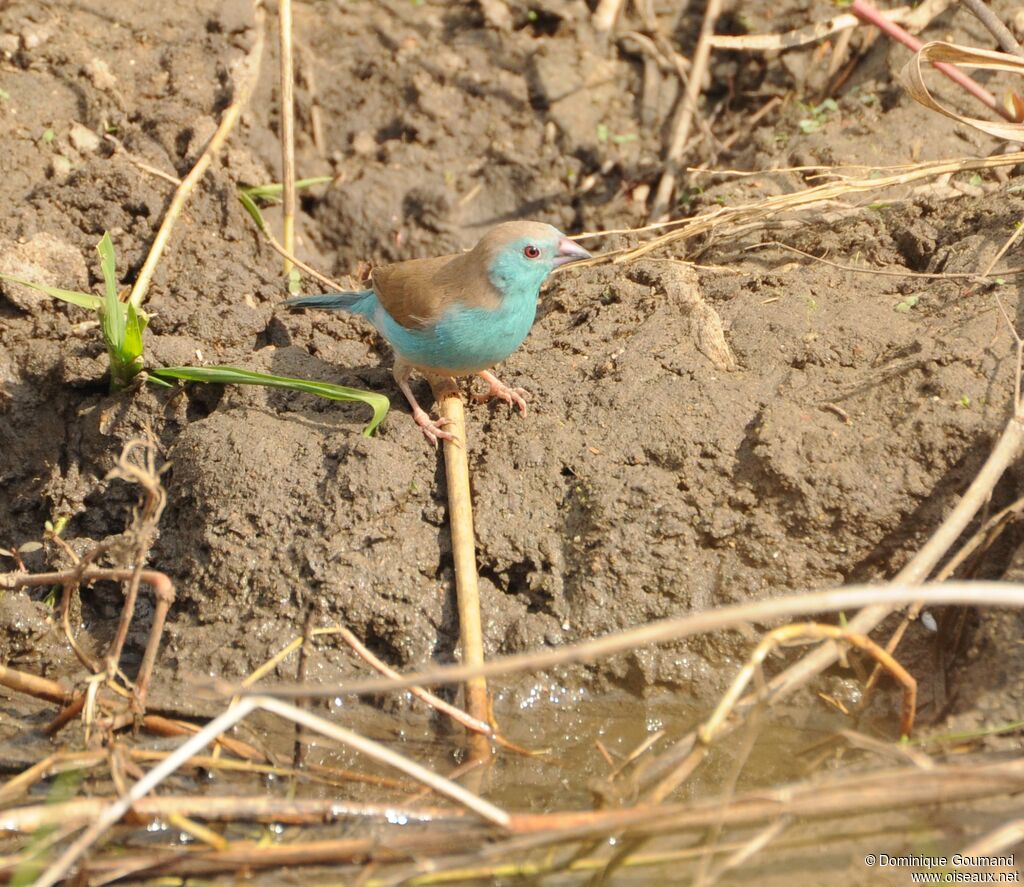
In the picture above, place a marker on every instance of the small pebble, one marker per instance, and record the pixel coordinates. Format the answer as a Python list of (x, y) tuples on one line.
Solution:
[(98, 71), (363, 143), (33, 36), (83, 139), (60, 167)]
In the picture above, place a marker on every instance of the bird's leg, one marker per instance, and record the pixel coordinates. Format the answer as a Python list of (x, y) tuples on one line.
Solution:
[(497, 388), (432, 429)]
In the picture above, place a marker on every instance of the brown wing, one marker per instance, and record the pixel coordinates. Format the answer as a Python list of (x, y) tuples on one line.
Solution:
[(415, 293)]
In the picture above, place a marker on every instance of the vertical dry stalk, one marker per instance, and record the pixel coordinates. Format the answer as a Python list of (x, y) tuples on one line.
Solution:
[(287, 127), (246, 73), (460, 515), (687, 112)]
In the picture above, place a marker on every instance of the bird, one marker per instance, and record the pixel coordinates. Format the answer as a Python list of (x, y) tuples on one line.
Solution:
[(460, 314)]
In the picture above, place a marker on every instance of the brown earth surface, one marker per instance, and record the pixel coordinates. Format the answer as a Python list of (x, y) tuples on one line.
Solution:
[(648, 479)]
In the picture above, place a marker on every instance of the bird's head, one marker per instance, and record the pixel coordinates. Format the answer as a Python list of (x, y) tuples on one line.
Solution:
[(519, 255)]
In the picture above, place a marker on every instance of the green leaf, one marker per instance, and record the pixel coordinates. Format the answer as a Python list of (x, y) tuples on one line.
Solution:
[(74, 297), (133, 334), (235, 376), (252, 209), (107, 262), (112, 313), (272, 191)]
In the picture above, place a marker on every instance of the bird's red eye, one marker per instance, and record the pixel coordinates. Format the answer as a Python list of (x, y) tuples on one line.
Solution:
[(531, 252)]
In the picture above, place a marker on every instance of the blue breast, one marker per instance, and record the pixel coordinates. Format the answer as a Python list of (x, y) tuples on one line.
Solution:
[(463, 340)]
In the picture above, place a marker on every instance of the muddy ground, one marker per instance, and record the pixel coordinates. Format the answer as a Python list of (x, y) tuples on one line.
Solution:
[(646, 481)]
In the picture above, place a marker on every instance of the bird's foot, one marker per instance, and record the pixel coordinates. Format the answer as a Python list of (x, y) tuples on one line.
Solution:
[(432, 429), (498, 389)]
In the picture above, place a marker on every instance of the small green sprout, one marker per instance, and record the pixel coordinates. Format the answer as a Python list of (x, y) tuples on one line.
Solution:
[(817, 115), (123, 326), (48, 136), (271, 192), (908, 303)]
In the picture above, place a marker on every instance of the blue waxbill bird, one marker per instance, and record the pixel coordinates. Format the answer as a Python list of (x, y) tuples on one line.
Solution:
[(461, 314)]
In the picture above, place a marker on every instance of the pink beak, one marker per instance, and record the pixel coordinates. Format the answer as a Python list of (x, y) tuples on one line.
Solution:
[(569, 251)]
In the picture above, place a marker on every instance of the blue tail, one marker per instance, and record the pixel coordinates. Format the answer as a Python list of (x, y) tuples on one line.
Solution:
[(358, 302)]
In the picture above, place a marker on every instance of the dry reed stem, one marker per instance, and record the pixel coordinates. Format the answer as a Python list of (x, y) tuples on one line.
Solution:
[(896, 593), (460, 518), (143, 529), (687, 112), (673, 765), (847, 795), (606, 14), (472, 724), (57, 762), (1004, 36), (868, 14), (1010, 241), (987, 533), (998, 841), (212, 808), (23, 682), (719, 219), (163, 592), (115, 810), (246, 73), (333, 285), (287, 127), (889, 272), (840, 796), (710, 729)]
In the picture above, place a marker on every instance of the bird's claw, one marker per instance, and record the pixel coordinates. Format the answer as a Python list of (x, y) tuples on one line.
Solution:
[(512, 396), (433, 429)]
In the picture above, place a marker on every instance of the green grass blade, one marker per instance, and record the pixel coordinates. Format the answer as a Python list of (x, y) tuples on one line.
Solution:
[(235, 376), (107, 262), (133, 334), (73, 297), (113, 316), (272, 191), (252, 209)]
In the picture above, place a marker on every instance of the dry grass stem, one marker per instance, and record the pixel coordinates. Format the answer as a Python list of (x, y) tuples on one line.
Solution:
[(995, 26), (710, 729), (245, 75), (889, 272), (606, 14), (721, 220), (115, 810), (456, 714), (844, 23), (686, 113), (994, 594), (460, 518), (287, 83)]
